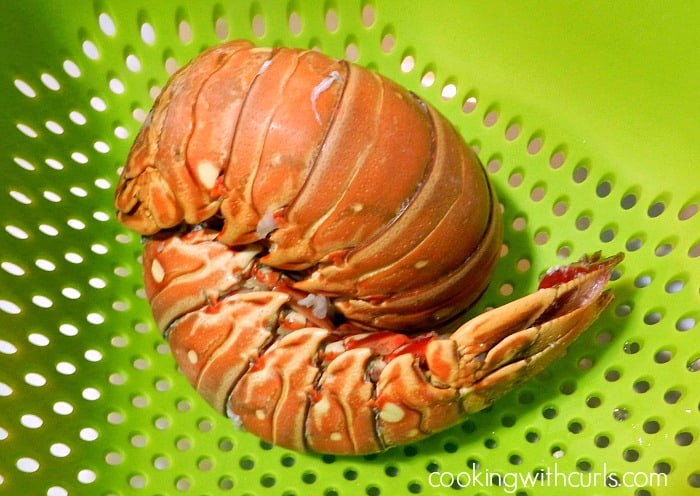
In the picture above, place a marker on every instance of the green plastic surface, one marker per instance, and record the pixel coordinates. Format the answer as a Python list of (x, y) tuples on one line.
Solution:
[(584, 113)]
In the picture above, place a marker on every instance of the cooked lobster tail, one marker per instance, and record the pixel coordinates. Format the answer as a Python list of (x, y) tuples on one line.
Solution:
[(314, 232)]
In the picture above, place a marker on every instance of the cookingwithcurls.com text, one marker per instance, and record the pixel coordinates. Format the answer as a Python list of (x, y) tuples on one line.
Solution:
[(510, 482)]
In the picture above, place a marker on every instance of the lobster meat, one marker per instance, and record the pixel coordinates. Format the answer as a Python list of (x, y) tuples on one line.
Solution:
[(313, 234)]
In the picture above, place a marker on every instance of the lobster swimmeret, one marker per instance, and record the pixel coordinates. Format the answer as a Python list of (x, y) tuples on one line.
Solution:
[(313, 234)]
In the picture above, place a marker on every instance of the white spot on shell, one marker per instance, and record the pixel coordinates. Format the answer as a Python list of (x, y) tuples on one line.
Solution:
[(322, 406), (420, 264), (336, 436), (277, 159), (391, 412), (192, 357), (320, 88), (235, 419), (157, 271), (465, 391), (264, 67), (207, 172), (334, 348), (357, 207), (260, 414)]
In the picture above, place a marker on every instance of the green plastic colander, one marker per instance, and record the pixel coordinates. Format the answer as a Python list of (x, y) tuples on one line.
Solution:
[(584, 113)]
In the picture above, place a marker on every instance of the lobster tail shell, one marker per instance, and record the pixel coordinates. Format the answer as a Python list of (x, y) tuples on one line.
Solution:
[(314, 232), (365, 191)]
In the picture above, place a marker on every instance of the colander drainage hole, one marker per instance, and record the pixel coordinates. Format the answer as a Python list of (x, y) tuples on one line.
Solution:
[(114, 458), (225, 445), (226, 483), (652, 318), (602, 440), (557, 452), (567, 388), (642, 386), (672, 396), (630, 455), (549, 412), (603, 189), (694, 480), (31, 421), (532, 437), (662, 467), (183, 444), (694, 251), (410, 451), (268, 480), (27, 465), (508, 421), (628, 201), (631, 347), (161, 423), (575, 427), (515, 459), (350, 474), (373, 491), (684, 438), (685, 324), (491, 443), (613, 480), (450, 447), (620, 414), (247, 463), (391, 471), (540, 473), (183, 484), (663, 356), (308, 477), (651, 426), (161, 462), (288, 461), (204, 425), (87, 476), (688, 212), (138, 441), (415, 487)]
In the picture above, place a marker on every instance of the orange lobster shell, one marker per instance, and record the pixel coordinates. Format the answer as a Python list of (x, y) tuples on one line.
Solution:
[(306, 217), (374, 198)]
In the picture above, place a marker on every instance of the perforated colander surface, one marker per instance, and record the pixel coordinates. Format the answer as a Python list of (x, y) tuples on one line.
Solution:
[(584, 115)]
